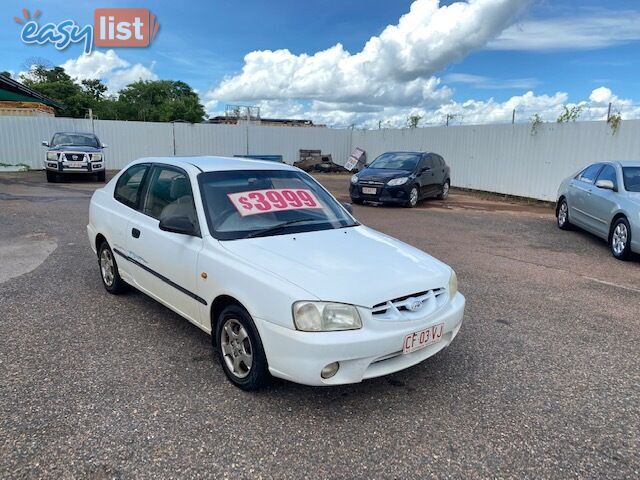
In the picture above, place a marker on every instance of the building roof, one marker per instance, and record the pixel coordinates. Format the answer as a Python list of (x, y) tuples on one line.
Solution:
[(15, 91)]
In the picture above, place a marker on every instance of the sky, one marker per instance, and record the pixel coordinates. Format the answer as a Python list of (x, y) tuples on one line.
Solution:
[(368, 63)]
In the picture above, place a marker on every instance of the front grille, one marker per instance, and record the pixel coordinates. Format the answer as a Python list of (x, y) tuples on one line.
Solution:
[(416, 305), (69, 156), (366, 183)]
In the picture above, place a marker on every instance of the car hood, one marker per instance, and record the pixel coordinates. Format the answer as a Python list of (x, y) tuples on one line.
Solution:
[(381, 174), (354, 265), (75, 148)]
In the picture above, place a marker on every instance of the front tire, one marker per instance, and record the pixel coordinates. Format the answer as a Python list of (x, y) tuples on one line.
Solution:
[(52, 177), (413, 197), (101, 176), (109, 270), (240, 350), (562, 216), (620, 239)]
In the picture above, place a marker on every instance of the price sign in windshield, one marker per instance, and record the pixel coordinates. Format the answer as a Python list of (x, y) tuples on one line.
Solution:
[(273, 200)]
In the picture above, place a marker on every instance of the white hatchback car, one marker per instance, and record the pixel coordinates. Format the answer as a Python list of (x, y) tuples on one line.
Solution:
[(263, 258)]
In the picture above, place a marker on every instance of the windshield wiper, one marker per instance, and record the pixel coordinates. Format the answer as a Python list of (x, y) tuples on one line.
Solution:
[(278, 227)]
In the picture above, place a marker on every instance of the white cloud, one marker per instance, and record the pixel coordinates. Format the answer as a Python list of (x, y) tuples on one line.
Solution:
[(469, 112), (489, 83), (108, 66), (393, 69), (591, 30)]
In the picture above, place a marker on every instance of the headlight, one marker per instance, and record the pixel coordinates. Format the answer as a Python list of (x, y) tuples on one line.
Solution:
[(397, 181), (325, 316), (354, 179), (52, 156), (453, 284), (96, 157)]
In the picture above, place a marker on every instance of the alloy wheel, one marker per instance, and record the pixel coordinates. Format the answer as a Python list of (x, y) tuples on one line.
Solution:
[(619, 239), (562, 214), (236, 348), (107, 267), (445, 190), (413, 197)]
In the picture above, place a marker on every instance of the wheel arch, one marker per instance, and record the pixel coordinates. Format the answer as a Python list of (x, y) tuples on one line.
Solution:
[(99, 240), (560, 199), (219, 304), (615, 218)]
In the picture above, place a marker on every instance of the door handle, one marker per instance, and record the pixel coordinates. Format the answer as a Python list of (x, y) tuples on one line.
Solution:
[(135, 233)]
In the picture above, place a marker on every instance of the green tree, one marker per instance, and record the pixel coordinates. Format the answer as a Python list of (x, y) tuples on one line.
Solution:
[(95, 88), (413, 121), (160, 101), (569, 114), (57, 85), (5, 74)]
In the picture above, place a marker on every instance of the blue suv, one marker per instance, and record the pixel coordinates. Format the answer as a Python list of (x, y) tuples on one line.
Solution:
[(74, 152)]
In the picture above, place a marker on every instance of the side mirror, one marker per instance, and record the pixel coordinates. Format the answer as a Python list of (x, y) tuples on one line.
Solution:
[(45, 143), (178, 224), (104, 145), (348, 207), (605, 184)]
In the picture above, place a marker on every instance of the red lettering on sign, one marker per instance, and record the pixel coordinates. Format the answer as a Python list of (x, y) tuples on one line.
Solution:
[(273, 200)]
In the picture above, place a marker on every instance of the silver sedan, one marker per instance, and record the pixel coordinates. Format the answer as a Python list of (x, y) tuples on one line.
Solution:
[(604, 199)]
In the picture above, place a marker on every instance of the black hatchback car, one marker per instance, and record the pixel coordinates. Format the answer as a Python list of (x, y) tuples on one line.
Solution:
[(401, 178)]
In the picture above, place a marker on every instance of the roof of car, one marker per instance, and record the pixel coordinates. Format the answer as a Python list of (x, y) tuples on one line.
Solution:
[(630, 163), (74, 133), (218, 164)]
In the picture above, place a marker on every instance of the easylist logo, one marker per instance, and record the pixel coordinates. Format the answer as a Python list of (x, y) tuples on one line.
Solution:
[(124, 27), (113, 27)]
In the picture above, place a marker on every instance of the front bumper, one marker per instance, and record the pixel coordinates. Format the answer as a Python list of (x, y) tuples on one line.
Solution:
[(60, 167), (372, 351), (75, 162), (384, 194)]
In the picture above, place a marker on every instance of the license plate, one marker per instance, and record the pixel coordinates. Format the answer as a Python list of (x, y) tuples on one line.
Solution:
[(74, 164), (423, 338), (369, 190)]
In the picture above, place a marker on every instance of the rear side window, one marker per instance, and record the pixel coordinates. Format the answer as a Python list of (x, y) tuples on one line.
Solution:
[(631, 177), (588, 175), (440, 160), (430, 161), (609, 173), (129, 185)]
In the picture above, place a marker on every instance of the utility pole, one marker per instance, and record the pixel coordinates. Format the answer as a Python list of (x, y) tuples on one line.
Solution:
[(609, 112), (91, 118), (513, 117)]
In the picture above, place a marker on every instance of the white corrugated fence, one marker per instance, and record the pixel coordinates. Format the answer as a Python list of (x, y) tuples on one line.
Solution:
[(497, 158)]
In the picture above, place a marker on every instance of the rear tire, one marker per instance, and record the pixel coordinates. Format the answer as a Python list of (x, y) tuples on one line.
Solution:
[(52, 177), (109, 270), (562, 215), (620, 239), (445, 190), (101, 176), (240, 350)]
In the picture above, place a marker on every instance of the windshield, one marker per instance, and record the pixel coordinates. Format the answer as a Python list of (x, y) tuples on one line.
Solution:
[(77, 139), (251, 203), (396, 161), (631, 177)]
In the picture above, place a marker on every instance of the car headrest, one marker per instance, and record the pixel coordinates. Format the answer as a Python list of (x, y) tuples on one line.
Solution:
[(179, 187)]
